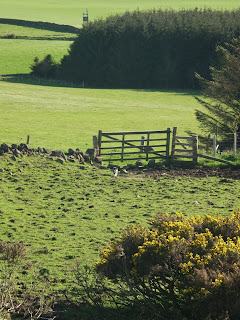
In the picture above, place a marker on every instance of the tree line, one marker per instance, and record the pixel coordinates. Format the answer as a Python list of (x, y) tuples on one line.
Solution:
[(153, 49)]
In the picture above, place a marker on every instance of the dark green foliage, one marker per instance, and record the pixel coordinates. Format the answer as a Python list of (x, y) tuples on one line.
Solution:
[(223, 109), (160, 49), (45, 68), (179, 268)]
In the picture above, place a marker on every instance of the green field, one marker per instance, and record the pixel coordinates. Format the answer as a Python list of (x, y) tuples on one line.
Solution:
[(69, 211), (16, 56), (32, 33), (62, 118), (70, 12)]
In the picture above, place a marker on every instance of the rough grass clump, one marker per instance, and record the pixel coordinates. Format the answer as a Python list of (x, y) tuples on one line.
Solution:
[(180, 268), (23, 291)]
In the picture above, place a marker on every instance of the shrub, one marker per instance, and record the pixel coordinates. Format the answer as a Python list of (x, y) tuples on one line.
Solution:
[(22, 289), (46, 68), (180, 268)]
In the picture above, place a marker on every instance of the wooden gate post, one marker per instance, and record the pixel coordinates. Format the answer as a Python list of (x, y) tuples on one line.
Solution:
[(173, 141), (142, 143), (95, 145), (147, 150), (235, 145), (208, 142), (168, 143), (214, 145), (123, 141), (195, 148), (99, 140)]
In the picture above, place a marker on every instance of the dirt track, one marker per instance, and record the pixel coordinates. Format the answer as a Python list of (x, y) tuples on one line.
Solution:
[(225, 173)]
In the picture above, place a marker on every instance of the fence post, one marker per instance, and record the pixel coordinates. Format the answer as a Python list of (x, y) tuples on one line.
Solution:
[(142, 143), (235, 145), (173, 141), (214, 145), (99, 140), (195, 148), (208, 142), (147, 149), (95, 144), (28, 139), (123, 138), (168, 143)]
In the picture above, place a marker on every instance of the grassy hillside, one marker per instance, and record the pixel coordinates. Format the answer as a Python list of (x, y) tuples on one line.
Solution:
[(60, 118), (33, 33), (16, 56), (70, 12), (63, 212)]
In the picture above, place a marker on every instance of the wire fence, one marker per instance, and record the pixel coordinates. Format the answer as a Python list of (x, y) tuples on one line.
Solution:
[(29, 79), (221, 144)]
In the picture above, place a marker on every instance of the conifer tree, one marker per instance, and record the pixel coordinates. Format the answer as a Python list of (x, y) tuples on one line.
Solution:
[(222, 93)]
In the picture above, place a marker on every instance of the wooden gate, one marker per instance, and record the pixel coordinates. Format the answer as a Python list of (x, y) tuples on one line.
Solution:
[(147, 145), (184, 148)]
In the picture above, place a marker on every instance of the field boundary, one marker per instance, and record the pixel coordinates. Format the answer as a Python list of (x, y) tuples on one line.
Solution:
[(40, 25), (136, 145)]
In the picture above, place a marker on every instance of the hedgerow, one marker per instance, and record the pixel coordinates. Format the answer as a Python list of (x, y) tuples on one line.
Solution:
[(154, 49), (180, 268)]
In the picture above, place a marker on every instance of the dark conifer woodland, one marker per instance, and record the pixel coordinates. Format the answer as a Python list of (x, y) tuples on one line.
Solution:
[(153, 49)]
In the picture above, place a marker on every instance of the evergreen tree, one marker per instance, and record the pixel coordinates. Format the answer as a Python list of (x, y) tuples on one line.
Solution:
[(45, 68), (222, 93)]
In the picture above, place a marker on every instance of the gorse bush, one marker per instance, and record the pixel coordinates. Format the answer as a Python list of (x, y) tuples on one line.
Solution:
[(154, 49), (180, 268)]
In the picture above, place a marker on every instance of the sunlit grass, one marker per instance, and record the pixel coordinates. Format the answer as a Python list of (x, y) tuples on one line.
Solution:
[(58, 117), (16, 56), (21, 31), (70, 12)]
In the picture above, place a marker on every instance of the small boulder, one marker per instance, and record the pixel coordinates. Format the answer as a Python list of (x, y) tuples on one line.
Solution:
[(24, 146), (86, 157), (78, 151), (98, 160), (4, 147), (60, 160), (40, 150), (71, 159), (151, 163), (14, 146), (92, 153), (139, 163), (57, 153), (17, 153), (71, 152)]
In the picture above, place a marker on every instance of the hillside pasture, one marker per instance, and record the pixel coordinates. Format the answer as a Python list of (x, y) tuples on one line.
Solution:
[(32, 33), (71, 12), (16, 56), (70, 211), (62, 118)]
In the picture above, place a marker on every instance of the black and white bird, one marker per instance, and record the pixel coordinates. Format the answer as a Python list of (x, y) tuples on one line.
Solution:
[(115, 171)]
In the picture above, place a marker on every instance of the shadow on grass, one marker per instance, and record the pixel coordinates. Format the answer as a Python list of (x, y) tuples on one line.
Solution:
[(40, 25), (30, 80), (66, 311)]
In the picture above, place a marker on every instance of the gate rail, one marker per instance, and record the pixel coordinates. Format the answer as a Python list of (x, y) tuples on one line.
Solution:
[(146, 144)]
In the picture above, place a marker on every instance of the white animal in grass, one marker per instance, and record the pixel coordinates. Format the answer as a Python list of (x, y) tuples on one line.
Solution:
[(115, 171)]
